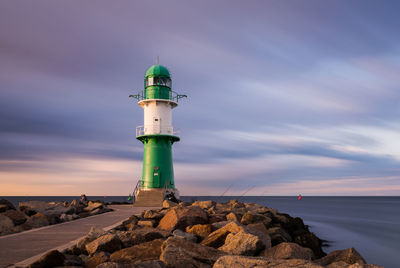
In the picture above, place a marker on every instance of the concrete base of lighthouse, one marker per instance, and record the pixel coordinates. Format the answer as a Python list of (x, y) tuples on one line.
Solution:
[(153, 197)]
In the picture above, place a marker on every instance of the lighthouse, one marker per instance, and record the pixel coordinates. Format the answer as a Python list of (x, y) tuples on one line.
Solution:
[(157, 135)]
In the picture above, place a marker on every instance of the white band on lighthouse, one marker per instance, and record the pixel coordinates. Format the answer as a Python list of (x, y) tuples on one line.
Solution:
[(158, 117)]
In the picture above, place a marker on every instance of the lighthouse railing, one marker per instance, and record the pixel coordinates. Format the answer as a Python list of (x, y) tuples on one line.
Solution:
[(156, 129)]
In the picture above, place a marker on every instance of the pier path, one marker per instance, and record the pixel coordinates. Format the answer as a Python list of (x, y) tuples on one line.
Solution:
[(23, 248)]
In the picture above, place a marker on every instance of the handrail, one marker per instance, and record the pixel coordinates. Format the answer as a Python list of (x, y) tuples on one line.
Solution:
[(157, 129), (172, 96), (136, 190)]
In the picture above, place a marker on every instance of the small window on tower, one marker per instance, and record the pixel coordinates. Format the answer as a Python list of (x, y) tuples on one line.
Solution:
[(155, 119)]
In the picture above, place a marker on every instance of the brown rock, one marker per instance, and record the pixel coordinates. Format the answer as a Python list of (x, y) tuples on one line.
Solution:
[(108, 243), (6, 205), (146, 223), (169, 204), (217, 225), (310, 240), (350, 256), (257, 230), (201, 230), (72, 260), (235, 204), (279, 235), (16, 216), (50, 259), (150, 264), (96, 259), (6, 225), (250, 217), (204, 204), (93, 234), (242, 261), (179, 253), (37, 220), (288, 251), (141, 252), (216, 218), (181, 217), (242, 243), (233, 217), (115, 265), (93, 206), (131, 238), (153, 214), (217, 238)]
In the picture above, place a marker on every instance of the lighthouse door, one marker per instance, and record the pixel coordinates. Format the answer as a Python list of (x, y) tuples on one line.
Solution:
[(157, 125), (156, 177)]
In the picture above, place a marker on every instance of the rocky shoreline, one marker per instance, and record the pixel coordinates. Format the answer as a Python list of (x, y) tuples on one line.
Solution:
[(35, 214), (204, 234)]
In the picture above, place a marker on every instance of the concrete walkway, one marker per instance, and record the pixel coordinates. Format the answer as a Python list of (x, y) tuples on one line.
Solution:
[(21, 249)]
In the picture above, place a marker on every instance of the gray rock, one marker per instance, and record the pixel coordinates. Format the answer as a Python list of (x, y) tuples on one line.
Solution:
[(6, 225), (131, 238), (6, 205), (279, 235), (180, 253), (37, 220), (16, 216), (242, 243), (108, 243), (244, 262), (288, 251), (350, 256), (142, 252), (50, 259), (114, 265), (184, 235)]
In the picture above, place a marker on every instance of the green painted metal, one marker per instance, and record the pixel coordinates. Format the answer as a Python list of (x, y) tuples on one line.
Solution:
[(157, 83), (157, 70), (158, 168)]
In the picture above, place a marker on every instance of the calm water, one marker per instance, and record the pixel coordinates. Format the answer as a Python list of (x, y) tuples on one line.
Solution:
[(369, 224)]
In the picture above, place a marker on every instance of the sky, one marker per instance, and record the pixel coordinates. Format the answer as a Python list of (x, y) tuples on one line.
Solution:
[(284, 97)]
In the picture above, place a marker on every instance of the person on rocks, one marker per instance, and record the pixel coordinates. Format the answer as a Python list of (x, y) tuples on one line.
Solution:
[(83, 198)]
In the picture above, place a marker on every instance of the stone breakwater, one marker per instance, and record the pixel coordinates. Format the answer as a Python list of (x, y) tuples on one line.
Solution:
[(204, 234), (34, 214)]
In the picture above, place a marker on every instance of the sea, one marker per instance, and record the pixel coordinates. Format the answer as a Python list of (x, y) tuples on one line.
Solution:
[(369, 224)]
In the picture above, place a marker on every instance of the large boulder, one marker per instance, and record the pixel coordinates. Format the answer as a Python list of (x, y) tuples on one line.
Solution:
[(50, 259), (181, 217), (309, 240), (96, 259), (179, 253), (16, 216), (6, 205), (349, 256), (6, 225), (288, 251), (233, 217), (142, 252), (51, 210), (279, 235), (187, 236), (153, 214), (204, 204), (169, 204), (217, 238), (37, 220), (131, 238), (250, 217), (201, 230), (93, 206), (108, 243), (244, 262), (93, 234), (242, 243)]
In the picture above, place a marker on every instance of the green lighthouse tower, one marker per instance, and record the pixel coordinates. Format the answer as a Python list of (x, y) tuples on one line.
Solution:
[(157, 135)]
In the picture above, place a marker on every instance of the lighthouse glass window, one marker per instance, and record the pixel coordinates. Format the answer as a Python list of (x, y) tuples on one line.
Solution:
[(158, 81)]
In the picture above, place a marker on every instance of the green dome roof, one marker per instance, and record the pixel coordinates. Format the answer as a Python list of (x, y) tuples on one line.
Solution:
[(157, 70)]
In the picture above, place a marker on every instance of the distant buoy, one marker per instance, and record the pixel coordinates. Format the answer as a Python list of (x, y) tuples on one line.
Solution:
[(299, 196)]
